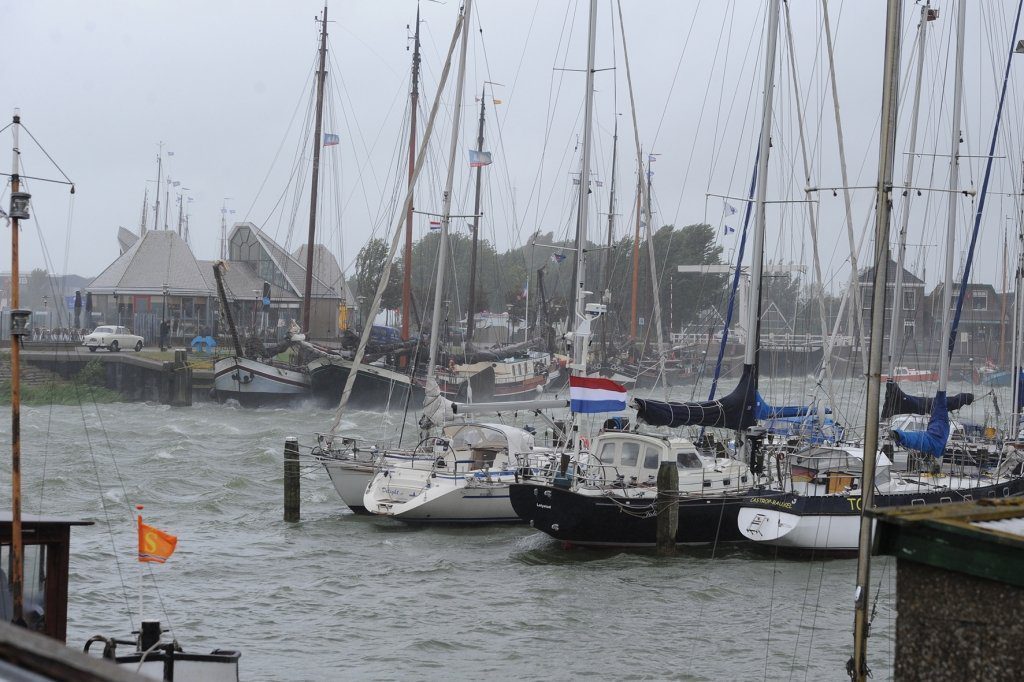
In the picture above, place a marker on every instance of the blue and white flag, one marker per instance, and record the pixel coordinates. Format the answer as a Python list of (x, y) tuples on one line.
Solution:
[(331, 139), (558, 257), (729, 230), (478, 159), (730, 209)]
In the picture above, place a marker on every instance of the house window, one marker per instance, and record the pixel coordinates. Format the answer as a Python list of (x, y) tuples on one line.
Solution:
[(909, 300), (979, 301), (908, 328)]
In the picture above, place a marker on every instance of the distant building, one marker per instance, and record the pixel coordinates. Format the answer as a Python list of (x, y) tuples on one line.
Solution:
[(910, 329), (157, 277), (984, 321)]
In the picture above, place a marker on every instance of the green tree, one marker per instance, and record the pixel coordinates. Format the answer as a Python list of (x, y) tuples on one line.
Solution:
[(369, 266)]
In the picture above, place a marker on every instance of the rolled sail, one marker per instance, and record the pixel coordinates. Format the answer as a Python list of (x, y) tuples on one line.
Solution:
[(933, 440), (898, 402), (734, 411), (766, 411)]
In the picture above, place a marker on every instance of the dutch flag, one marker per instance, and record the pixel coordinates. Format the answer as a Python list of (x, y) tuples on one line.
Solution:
[(596, 394)]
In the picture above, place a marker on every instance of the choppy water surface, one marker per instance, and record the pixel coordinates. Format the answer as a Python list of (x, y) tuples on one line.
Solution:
[(339, 596)]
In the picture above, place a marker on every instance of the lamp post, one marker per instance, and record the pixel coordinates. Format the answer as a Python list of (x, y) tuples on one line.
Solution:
[(118, 309), (362, 323)]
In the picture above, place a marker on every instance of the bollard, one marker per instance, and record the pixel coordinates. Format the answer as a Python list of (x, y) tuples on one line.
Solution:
[(291, 479), (667, 507), (181, 380)]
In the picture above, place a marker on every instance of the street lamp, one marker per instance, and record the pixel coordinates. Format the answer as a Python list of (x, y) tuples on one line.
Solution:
[(118, 309), (361, 300)]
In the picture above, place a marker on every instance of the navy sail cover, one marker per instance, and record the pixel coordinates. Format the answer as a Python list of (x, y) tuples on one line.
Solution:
[(734, 411), (898, 402)]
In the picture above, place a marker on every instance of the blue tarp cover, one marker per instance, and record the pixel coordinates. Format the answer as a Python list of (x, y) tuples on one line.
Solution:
[(933, 440)]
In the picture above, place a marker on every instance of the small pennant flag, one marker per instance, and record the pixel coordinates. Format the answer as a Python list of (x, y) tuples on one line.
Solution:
[(435, 224), (176, 183), (170, 153), (331, 139), (478, 159), (730, 209), (497, 101), (729, 230), (558, 257), (155, 545), (651, 158), (525, 291)]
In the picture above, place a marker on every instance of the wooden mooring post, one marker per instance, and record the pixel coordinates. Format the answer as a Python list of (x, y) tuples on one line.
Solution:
[(181, 379), (291, 479), (667, 506)]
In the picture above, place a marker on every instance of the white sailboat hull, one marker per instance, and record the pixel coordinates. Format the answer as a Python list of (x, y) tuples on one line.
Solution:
[(443, 498), (350, 479), (829, 533)]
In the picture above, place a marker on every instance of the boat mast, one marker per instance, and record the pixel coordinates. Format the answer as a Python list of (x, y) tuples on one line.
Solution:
[(145, 210), (476, 227), (446, 210), (954, 182), (757, 254), (635, 287), (606, 274), (17, 546), (414, 98), (581, 334), (317, 143), (896, 326), (858, 667), (159, 177)]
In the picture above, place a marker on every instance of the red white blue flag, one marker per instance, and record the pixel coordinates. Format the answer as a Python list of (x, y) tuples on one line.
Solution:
[(596, 394)]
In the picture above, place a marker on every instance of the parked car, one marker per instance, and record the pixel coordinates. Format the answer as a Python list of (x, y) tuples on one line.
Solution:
[(112, 338)]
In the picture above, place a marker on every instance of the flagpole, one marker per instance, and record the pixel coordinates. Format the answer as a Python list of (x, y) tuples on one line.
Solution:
[(141, 575)]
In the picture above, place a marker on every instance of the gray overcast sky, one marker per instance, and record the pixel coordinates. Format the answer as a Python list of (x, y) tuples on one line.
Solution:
[(100, 83)]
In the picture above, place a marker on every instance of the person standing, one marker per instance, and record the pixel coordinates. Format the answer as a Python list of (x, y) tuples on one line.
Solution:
[(165, 334)]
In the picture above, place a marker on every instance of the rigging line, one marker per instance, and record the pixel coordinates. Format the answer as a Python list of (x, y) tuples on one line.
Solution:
[(46, 153)]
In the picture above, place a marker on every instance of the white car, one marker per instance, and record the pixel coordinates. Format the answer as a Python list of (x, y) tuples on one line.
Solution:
[(112, 338)]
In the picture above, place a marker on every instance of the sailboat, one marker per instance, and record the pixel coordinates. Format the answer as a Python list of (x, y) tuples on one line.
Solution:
[(610, 498), (828, 488), (50, 536), (255, 377)]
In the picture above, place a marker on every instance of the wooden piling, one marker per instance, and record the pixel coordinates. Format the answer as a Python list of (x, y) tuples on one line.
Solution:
[(291, 479), (181, 379), (667, 506)]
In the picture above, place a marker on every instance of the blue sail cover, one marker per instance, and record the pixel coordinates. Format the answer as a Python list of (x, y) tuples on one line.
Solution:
[(807, 429), (933, 440), (765, 411), (1020, 388), (734, 411), (898, 402)]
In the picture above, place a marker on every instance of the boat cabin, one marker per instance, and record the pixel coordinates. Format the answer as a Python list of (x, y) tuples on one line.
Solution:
[(832, 470), (484, 446), (47, 542), (634, 458)]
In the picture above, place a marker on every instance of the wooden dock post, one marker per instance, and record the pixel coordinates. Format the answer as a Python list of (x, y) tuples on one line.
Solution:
[(181, 379), (667, 507), (291, 479)]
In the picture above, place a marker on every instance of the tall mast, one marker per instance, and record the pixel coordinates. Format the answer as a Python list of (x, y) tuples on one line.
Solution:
[(414, 98), (442, 251), (476, 225), (224, 229), (954, 182), (317, 144), (896, 326), (606, 260), (145, 210), (757, 255), (635, 289), (883, 209), (181, 212), (584, 195), (159, 177), (17, 546)]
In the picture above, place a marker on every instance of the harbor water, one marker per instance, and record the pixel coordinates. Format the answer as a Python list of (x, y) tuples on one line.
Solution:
[(337, 596)]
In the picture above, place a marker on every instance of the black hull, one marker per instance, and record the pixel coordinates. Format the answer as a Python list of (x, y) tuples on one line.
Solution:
[(601, 521), (369, 391), (850, 504)]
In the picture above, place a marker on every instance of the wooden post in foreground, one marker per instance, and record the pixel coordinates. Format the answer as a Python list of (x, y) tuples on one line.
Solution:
[(667, 507), (291, 479)]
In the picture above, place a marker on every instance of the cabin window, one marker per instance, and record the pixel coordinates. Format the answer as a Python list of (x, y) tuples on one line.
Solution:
[(651, 457), (688, 460), (607, 453), (630, 454)]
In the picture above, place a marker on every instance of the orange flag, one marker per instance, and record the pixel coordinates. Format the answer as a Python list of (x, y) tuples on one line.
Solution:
[(154, 544)]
